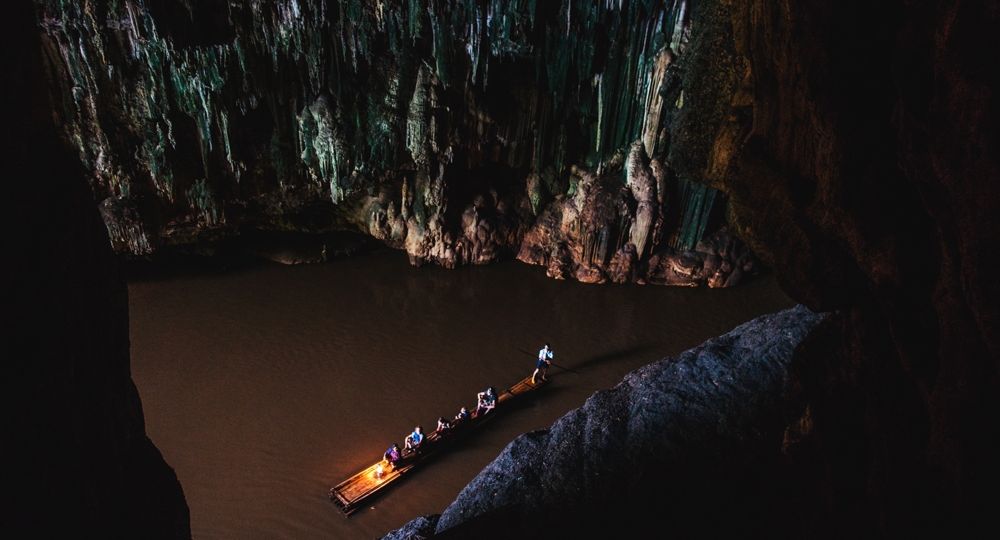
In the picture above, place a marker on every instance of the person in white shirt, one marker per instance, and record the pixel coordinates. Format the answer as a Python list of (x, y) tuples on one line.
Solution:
[(545, 356)]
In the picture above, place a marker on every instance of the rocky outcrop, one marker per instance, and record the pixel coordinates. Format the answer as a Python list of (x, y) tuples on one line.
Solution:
[(858, 147), (606, 231), (684, 444), (77, 459), (420, 528), (442, 129)]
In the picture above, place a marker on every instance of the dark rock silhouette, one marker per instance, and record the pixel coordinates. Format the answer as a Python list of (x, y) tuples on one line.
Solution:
[(78, 461), (865, 170)]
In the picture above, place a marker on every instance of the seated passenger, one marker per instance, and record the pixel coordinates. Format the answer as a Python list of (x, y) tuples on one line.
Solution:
[(414, 439), (462, 415), (443, 425), (392, 455), (487, 401)]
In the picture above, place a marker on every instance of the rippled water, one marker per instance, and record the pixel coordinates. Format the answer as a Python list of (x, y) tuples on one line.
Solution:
[(265, 386)]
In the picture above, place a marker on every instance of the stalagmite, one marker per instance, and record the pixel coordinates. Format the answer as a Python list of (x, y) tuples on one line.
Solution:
[(639, 179)]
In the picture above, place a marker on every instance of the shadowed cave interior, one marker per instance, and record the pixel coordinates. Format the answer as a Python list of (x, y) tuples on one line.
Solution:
[(846, 149)]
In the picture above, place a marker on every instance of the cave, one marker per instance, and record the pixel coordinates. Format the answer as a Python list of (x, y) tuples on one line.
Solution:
[(757, 235)]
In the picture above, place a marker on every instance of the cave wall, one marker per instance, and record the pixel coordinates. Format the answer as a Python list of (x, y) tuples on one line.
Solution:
[(76, 457), (461, 131), (860, 156)]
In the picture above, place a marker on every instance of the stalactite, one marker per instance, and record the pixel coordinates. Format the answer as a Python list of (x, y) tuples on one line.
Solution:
[(349, 90), (324, 151), (697, 201), (602, 246), (292, 33), (655, 103), (417, 119), (443, 45), (202, 201)]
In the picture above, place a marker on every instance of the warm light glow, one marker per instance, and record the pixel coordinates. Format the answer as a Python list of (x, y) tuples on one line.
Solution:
[(378, 471)]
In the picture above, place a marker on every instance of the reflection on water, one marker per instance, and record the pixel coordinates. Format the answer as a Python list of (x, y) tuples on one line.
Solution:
[(265, 386)]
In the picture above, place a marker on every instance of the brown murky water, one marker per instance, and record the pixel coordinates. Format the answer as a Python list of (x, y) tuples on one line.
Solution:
[(265, 386)]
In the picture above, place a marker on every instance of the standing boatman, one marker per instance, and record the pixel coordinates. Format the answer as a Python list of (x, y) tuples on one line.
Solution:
[(545, 355)]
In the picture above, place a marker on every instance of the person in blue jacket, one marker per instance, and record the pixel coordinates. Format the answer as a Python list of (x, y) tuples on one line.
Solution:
[(414, 439)]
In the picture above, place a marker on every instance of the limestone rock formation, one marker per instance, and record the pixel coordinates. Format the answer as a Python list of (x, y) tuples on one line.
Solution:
[(681, 445), (605, 231), (442, 129)]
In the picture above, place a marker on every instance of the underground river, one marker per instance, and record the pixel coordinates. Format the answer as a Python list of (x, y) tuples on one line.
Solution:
[(266, 385)]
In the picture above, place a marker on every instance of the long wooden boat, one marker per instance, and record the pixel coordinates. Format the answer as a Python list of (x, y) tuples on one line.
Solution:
[(350, 494)]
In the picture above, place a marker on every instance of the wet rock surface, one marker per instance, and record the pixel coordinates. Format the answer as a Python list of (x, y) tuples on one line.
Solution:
[(685, 444)]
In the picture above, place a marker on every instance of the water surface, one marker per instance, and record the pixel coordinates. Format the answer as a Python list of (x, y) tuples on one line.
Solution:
[(266, 385)]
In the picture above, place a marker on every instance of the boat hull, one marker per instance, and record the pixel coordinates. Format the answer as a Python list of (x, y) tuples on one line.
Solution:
[(352, 493)]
